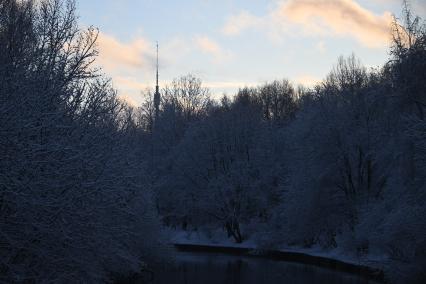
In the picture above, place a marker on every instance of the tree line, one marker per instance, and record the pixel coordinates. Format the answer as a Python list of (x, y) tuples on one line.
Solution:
[(340, 165)]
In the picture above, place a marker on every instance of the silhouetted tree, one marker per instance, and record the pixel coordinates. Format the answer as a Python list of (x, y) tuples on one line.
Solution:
[(73, 203)]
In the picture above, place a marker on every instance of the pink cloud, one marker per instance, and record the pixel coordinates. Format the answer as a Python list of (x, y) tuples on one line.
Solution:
[(209, 46), (342, 18), (338, 17), (237, 23), (114, 54)]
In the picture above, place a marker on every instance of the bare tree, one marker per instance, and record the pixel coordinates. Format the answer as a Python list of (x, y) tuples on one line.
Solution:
[(73, 204), (188, 96), (408, 51)]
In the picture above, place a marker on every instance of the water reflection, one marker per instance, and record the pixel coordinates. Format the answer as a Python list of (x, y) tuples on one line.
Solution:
[(217, 268)]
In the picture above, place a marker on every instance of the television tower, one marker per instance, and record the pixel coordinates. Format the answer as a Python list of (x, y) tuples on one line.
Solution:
[(157, 96)]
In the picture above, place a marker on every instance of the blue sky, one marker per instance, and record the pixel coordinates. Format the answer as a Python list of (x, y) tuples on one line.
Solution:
[(232, 43)]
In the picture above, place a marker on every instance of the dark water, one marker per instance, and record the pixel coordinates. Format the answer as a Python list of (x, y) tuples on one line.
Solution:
[(218, 268)]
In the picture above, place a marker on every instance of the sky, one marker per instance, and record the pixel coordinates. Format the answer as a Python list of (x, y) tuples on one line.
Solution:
[(235, 43)]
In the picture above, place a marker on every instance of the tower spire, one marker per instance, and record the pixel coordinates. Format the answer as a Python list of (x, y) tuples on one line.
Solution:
[(157, 69), (157, 97)]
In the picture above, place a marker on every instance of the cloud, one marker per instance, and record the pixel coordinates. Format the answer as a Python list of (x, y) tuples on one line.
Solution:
[(114, 54), (338, 17), (244, 20), (131, 64), (207, 45), (307, 80), (124, 61), (174, 50), (342, 18)]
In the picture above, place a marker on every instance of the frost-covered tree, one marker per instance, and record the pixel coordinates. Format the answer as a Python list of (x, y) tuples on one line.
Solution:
[(223, 172), (356, 147), (74, 205), (278, 100)]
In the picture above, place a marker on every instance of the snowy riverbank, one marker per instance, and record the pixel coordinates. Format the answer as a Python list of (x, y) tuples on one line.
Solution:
[(371, 267)]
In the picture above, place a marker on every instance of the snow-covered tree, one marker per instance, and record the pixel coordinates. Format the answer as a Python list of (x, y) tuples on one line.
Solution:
[(74, 205)]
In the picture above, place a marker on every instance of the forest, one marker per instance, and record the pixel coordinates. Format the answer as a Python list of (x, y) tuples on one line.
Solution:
[(92, 188)]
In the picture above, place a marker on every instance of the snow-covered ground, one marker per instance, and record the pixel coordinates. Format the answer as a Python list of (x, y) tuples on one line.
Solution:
[(219, 239), (216, 238)]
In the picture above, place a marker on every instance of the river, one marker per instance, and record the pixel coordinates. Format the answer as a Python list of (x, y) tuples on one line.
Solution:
[(214, 268)]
